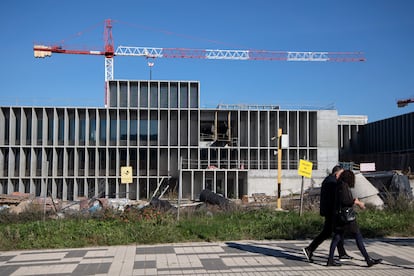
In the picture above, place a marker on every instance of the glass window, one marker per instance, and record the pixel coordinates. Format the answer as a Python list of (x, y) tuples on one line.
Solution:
[(113, 93), (28, 126), (153, 159), (154, 94), (61, 130), (59, 153), (112, 161), (122, 157), (133, 127), (164, 95), (102, 131), (193, 95), (71, 161), (91, 161), (154, 130), (133, 160), (174, 95), (143, 95), (143, 130), (92, 130), (6, 126), (16, 153), (183, 95), (112, 129), (123, 94), (38, 156), (5, 153), (133, 130), (82, 127), (153, 127), (50, 127), (18, 126), (102, 161), (133, 94), (17, 129), (71, 116), (142, 161), (39, 130), (123, 129), (143, 127)]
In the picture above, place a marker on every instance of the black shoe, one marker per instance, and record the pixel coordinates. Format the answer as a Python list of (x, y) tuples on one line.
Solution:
[(372, 262), (345, 257), (333, 263), (308, 254)]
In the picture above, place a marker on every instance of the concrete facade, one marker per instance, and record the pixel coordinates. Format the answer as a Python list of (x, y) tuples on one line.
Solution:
[(159, 129)]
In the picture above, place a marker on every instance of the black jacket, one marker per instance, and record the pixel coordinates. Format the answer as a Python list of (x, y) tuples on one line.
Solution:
[(327, 202), (344, 198)]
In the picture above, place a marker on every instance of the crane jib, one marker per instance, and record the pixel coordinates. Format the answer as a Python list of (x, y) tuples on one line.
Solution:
[(152, 52)]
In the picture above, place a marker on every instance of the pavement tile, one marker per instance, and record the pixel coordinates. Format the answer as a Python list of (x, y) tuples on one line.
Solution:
[(276, 257)]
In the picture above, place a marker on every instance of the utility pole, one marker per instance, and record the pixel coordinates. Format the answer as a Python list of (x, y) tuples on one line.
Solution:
[(150, 65)]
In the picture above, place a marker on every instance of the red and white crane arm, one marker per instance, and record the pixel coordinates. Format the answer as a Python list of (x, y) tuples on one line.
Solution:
[(41, 51), (217, 54)]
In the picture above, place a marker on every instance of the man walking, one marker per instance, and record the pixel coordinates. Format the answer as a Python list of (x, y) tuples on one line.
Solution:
[(327, 210)]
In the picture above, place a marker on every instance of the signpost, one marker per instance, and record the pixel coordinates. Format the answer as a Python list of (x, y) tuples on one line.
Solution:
[(305, 170)]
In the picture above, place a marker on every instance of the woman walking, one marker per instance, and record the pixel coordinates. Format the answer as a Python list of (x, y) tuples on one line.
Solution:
[(345, 200)]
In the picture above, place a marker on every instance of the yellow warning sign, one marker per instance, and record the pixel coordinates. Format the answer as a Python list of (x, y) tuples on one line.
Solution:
[(126, 175), (305, 168)]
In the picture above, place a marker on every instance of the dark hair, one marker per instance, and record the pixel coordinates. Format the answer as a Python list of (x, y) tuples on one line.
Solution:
[(336, 169), (348, 177)]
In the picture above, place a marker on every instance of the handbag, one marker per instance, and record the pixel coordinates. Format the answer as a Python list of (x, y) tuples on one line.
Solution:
[(347, 214)]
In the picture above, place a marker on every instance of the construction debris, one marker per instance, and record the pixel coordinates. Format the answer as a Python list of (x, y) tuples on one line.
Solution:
[(13, 199), (215, 199), (382, 185)]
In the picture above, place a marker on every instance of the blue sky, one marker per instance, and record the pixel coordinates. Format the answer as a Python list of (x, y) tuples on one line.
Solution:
[(383, 30)]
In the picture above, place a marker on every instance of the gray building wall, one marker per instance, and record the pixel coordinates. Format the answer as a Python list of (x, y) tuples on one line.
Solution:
[(388, 143), (158, 128)]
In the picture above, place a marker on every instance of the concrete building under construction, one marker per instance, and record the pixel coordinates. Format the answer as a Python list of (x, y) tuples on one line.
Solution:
[(158, 130)]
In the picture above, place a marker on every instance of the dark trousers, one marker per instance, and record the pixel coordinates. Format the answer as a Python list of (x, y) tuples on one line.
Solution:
[(326, 233), (339, 236)]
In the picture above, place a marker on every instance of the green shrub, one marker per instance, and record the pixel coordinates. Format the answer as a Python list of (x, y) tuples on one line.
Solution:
[(150, 226)]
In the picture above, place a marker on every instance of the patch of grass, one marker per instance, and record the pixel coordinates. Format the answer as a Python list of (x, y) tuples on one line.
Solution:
[(150, 226)]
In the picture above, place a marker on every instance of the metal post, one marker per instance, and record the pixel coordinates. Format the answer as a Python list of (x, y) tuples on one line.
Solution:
[(301, 195), (180, 187), (279, 168), (46, 178), (301, 198)]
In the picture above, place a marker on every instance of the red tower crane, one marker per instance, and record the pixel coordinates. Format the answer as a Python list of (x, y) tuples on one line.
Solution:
[(405, 102), (41, 51)]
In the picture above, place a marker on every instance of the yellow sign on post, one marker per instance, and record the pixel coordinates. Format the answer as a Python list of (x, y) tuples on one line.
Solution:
[(305, 168), (126, 175)]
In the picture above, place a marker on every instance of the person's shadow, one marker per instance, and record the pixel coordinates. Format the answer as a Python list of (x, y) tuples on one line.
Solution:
[(288, 254), (291, 254)]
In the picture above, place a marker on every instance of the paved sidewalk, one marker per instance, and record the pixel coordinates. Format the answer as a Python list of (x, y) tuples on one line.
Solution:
[(275, 257)]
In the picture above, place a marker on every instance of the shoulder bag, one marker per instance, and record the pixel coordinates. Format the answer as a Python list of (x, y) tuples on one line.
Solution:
[(347, 214)]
